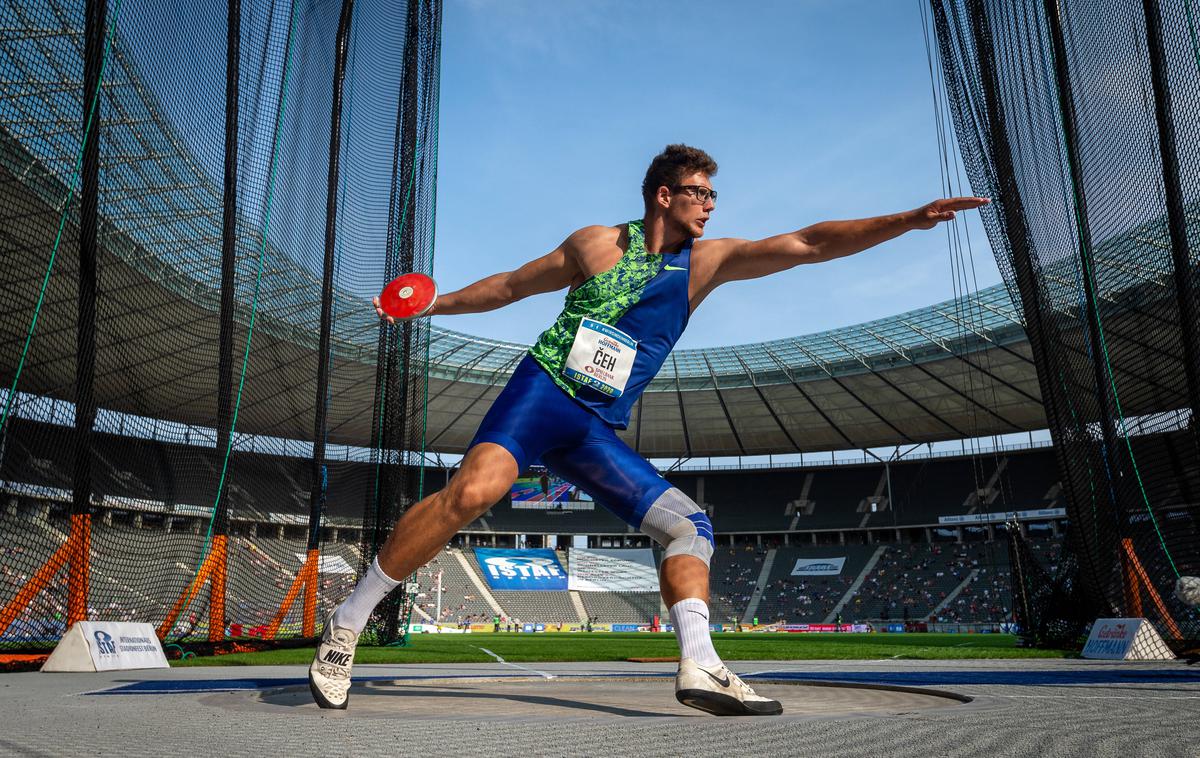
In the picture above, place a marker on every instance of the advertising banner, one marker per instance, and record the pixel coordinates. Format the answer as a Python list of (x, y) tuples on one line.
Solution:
[(818, 566), (1000, 518), (1125, 639), (630, 570), (107, 646), (521, 569), (822, 628)]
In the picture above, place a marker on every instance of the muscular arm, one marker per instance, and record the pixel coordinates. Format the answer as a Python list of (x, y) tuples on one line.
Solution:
[(553, 271), (749, 259)]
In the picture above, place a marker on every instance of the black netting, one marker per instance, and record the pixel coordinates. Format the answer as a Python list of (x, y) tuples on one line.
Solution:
[(1080, 121), (170, 440)]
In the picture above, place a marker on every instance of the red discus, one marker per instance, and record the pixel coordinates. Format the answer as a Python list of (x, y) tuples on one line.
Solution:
[(408, 296)]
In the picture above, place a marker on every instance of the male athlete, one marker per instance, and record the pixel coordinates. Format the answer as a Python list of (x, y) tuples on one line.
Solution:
[(631, 290)]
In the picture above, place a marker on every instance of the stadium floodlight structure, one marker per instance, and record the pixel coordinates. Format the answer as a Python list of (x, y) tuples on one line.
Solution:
[(1081, 121)]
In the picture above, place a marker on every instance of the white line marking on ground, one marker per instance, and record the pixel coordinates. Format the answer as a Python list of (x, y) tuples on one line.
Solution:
[(1093, 697), (503, 662)]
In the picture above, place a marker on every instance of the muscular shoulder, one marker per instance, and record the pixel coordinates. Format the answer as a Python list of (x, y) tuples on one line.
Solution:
[(717, 246), (595, 237), (595, 248), (708, 254)]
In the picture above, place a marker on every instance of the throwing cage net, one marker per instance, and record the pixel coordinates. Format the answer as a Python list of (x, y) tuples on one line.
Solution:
[(1079, 120), (204, 425)]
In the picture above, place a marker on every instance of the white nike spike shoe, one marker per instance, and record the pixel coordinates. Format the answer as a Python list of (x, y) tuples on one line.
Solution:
[(719, 691), (329, 674)]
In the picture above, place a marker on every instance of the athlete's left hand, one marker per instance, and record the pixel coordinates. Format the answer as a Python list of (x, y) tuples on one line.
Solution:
[(929, 216)]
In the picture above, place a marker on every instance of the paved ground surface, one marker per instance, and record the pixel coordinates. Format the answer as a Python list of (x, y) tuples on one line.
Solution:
[(1015, 708)]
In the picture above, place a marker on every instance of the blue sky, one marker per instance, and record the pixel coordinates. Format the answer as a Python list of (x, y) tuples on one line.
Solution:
[(814, 109)]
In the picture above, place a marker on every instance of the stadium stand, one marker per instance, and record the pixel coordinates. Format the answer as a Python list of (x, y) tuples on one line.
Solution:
[(461, 600), (809, 598), (138, 499), (762, 501), (622, 607), (840, 497), (910, 581), (538, 607), (733, 578)]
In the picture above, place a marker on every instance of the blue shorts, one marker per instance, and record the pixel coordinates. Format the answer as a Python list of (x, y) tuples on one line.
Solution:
[(536, 421)]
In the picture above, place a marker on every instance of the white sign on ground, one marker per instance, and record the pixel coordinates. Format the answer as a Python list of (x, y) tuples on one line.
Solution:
[(107, 646), (818, 566), (628, 570), (1126, 640)]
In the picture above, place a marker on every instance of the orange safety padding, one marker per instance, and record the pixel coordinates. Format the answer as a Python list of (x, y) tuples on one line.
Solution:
[(73, 553), (213, 567), (77, 585), (216, 593), (308, 626), (306, 578), (1135, 575), (35, 585)]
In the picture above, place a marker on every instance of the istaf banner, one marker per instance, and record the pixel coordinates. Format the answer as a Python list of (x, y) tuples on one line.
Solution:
[(521, 569)]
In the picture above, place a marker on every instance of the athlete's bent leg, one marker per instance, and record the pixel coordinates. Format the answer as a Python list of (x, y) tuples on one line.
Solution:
[(485, 477), (486, 474), (626, 484)]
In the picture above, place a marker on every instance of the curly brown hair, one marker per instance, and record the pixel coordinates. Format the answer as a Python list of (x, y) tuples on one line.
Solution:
[(671, 165)]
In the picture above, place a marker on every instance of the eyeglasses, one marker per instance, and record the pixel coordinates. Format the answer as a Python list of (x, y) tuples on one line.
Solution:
[(698, 191)]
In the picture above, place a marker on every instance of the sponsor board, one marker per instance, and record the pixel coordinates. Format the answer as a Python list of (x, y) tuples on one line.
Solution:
[(107, 646), (1000, 518), (822, 628), (614, 570), (1129, 639), (818, 566), (521, 569)]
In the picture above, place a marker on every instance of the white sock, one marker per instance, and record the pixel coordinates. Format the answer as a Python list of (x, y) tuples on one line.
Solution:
[(690, 619), (372, 588)]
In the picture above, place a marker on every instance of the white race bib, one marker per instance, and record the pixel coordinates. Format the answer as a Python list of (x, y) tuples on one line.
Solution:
[(601, 357)]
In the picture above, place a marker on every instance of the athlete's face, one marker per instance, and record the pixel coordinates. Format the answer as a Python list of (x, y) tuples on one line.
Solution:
[(686, 207)]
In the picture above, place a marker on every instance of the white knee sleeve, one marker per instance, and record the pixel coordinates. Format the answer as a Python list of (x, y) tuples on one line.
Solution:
[(677, 523)]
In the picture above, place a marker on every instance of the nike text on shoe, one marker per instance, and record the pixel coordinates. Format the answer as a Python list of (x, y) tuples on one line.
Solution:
[(329, 674), (719, 691)]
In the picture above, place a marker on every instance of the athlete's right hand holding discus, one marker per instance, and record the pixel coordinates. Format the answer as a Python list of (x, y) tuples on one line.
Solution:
[(406, 297)]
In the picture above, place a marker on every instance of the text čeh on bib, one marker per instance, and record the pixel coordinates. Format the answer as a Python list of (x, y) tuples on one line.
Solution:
[(601, 357)]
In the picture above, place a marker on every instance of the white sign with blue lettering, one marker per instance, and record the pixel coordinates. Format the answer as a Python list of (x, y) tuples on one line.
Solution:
[(107, 646), (601, 357)]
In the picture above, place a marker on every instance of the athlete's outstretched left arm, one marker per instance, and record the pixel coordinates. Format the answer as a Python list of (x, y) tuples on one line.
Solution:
[(736, 259)]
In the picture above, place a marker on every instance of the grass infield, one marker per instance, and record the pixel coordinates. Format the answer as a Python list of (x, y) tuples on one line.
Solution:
[(533, 648)]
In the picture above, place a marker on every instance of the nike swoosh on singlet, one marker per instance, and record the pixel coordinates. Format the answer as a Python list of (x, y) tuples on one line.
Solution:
[(669, 267)]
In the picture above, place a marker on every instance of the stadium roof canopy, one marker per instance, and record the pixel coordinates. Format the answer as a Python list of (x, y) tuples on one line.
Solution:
[(957, 369)]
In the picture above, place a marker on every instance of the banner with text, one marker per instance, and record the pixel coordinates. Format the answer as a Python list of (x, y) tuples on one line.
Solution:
[(818, 566), (617, 570), (521, 569)]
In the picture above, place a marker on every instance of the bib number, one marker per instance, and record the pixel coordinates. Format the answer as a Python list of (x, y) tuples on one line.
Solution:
[(601, 357)]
